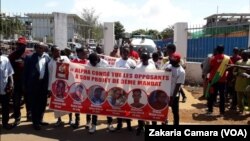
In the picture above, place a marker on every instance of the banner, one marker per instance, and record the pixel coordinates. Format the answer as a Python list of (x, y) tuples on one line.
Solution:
[(129, 93), (109, 59)]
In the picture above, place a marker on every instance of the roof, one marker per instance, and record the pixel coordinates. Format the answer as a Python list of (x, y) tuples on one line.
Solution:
[(38, 15), (229, 15), (139, 41)]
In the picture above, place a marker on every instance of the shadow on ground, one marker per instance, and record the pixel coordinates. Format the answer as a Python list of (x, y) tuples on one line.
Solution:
[(66, 133)]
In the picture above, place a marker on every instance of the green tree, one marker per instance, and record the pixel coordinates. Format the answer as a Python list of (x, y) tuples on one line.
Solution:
[(153, 33), (10, 26), (168, 32), (91, 26), (138, 32), (119, 30)]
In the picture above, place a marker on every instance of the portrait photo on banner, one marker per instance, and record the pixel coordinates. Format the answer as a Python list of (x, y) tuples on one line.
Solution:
[(158, 100), (97, 95), (78, 92), (60, 89), (117, 97), (137, 98)]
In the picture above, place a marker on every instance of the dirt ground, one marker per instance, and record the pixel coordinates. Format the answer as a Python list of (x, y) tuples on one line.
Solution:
[(193, 111)]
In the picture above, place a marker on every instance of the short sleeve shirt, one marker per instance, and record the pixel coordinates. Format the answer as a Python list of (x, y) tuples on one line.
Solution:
[(6, 70)]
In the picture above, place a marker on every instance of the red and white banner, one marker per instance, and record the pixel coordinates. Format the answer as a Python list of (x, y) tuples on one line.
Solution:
[(135, 94), (109, 59)]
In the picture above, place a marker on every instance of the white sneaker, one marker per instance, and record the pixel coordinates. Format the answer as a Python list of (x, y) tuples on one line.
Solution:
[(92, 129), (88, 125), (111, 128)]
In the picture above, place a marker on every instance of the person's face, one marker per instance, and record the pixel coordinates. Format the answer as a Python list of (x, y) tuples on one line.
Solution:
[(98, 93), (161, 98), (60, 89), (99, 50), (115, 50), (117, 94), (56, 53), (158, 49), (169, 51), (79, 91), (136, 96), (21, 45), (125, 54), (40, 50), (94, 61), (173, 63), (244, 56), (80, 54), (144, 59), (155, 58), (85, 54), (131, 48)]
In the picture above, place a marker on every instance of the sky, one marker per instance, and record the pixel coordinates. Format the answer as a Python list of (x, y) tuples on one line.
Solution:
[(134, 14)]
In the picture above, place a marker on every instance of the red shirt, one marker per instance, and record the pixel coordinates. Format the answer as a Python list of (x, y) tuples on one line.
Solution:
[(134, 54), (235, 58), (80, 61), (215, 64)]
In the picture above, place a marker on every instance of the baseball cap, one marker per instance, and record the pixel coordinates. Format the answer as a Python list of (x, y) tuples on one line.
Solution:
[(22, 40), (176, 57)]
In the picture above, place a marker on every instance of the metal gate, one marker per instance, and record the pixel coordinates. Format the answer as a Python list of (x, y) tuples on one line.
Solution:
[(202, 40)]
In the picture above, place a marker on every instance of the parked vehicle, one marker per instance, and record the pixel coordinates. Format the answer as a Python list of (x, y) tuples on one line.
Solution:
[(144, 43)]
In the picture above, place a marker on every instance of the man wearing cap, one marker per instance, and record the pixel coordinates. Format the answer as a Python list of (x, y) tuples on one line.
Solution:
[(17, 61), (36, 78), (178, 78), (171, 49)]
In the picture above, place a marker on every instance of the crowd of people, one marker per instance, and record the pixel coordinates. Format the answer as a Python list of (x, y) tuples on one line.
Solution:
[(227, 77), (29, 76)]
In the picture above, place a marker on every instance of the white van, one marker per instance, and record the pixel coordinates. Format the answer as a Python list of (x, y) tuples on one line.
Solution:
[(145, 43)]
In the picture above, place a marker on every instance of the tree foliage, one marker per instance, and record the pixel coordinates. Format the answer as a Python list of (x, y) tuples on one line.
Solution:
[(92, 28), (139, 31), (168, 32), (10, 26), (155, 34), (119, 30)]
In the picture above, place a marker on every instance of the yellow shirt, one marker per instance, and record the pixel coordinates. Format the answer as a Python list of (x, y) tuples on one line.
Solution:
[(241, 82)]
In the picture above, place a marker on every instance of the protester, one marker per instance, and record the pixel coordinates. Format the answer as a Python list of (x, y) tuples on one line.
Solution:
[(6, 87), (230, 89), (96, 61), (17, 61), (82, 55), (178, 78), (241, 82), (36, 75), (115, 53), (144, 65), (171, 49), (217, 79), (127, 63)]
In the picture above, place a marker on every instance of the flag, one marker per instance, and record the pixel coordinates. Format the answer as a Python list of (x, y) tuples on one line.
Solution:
[(220, 71)]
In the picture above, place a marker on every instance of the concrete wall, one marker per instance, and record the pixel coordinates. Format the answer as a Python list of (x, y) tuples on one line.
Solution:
[(60, 30), (109, 37), (180, 38), (193, 70), (41, 27), (193, 73)]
